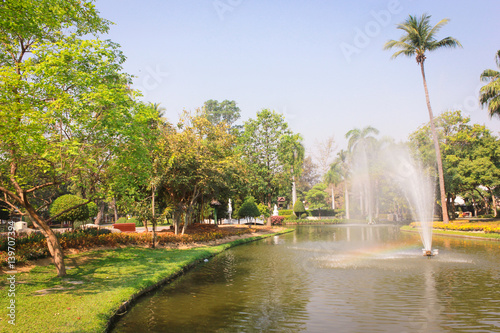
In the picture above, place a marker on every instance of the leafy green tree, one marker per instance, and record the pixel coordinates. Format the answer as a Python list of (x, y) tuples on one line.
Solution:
[(333, 178), (69, 208), (490, 93), (64, 104), (418, 38), (472, 156), (273, 154), (93, 209), (316, 197), (226, 111), (340, 171), (264, 210), (134, 172), (299, 208), (197, 162), (249, 209)]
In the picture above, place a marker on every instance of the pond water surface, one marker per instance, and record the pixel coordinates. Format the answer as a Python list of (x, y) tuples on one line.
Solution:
[(347, 278)]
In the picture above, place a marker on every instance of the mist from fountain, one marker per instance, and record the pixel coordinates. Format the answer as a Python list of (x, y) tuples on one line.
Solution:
[(417, 187), (397, 169), (362, 181)]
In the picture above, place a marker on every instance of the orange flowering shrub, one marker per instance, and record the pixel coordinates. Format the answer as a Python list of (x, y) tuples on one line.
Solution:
[(467, 226), (34, 246)]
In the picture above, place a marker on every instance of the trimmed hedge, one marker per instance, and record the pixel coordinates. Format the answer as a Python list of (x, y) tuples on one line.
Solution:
[(285, 212), (322, 212)]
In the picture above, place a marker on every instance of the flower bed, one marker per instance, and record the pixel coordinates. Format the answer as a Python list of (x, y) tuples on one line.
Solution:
[(34, 246), (467, 226)]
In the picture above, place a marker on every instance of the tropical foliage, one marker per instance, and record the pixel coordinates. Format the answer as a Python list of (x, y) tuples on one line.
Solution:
[(490, 93)]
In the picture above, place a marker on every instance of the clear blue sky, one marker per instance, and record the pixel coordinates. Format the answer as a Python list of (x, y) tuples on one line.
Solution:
[(320, 63)]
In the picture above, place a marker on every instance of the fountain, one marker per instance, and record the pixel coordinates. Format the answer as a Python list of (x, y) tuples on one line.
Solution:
[(418, 188), (398, 170), (362, 181)]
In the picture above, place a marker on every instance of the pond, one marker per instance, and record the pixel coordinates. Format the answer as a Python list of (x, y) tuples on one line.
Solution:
[(342, 278)]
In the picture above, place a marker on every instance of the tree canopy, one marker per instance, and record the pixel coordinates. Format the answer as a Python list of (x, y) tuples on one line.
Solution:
[(65, 105), (490, 93), (273, 154)]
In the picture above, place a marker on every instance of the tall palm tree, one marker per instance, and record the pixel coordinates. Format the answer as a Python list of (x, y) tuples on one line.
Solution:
[(490, 93), (420, 37), (358, 136), (339, 171), (332, 178)]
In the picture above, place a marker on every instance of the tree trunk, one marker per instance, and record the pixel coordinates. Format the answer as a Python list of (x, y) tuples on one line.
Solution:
[(115, 209), (55, 248), (269, 207), (450, 201), (153, 216), (437, 149), (186, 220), (176, 217), (494, 200), (100, 214)]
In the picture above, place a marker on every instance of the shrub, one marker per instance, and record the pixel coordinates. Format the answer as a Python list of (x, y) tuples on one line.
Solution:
[(277, 220), (35, 245), (322, 212), (298, 208), (122, 220), (292, 218), (249, 208), (285, 212), (68, 201), (264, 210), (136, 221)]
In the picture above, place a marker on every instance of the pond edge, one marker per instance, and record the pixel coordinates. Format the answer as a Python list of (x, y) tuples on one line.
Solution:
[(133, 299)]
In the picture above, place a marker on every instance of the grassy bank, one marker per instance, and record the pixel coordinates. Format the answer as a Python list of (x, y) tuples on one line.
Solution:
[(468, 234), (99, 283)]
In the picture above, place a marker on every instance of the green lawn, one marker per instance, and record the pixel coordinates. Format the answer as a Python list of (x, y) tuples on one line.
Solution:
[(90, 294)]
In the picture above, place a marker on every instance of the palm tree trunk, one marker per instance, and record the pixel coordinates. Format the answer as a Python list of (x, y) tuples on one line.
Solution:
[(346, 199), (437, 149), (333, 198)]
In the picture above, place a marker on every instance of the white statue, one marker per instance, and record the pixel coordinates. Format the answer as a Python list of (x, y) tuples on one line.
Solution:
[(275, 211), (229, 209)]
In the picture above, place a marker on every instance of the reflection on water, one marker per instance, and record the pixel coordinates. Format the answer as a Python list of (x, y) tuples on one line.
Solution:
[(332, 278)]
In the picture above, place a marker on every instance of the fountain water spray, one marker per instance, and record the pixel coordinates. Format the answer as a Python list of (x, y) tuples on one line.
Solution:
[(418, 189), (362, 181)]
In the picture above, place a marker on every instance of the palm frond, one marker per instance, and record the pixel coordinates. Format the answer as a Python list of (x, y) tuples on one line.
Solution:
[(489, 75), (438, 26), (445, 42)]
